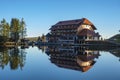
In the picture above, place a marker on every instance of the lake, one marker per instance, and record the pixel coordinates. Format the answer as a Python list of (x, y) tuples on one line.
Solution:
[(59, 63)]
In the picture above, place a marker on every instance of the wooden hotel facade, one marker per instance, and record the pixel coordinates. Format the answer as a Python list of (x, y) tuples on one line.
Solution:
[(72, 31)]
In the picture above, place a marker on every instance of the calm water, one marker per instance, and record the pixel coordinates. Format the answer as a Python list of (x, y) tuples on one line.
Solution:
[(59, 63)]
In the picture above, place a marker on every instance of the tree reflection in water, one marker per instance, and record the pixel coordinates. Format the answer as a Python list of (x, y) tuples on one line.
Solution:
[(71, 57), (13, 56), (115, 52)]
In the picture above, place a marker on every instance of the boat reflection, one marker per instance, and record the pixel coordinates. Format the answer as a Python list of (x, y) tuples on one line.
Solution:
[(13, 57), (71, 57)]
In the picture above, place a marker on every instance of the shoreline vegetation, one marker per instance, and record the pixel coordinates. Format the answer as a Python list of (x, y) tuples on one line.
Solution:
[(14, 34)]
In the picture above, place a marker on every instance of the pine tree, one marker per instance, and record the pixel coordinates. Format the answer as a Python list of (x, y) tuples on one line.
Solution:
[(22, 29), (5, 28), (15, 29)]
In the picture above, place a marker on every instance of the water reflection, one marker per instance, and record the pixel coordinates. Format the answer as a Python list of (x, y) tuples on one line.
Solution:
[(115, 52), (71, 57), (13, 57), (42, 48)]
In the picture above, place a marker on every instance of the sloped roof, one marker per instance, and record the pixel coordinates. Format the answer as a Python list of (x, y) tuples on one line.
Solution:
[(74, 22), (48, 35), (69, 22), (86, 21)]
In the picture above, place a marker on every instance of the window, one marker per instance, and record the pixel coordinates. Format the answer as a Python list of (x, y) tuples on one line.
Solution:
[(87, 26)]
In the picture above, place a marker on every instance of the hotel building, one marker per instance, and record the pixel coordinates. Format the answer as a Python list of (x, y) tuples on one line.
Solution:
[(72, 31)]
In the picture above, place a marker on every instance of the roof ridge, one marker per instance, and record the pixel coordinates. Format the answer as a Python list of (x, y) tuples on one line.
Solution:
[(70, 20)]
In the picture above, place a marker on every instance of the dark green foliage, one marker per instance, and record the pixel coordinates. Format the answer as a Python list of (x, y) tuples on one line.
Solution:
[(115, 38), (3, 38), (5, 28), (14, 31)]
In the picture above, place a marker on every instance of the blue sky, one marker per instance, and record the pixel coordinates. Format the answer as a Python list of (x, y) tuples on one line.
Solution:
[(39, 15)]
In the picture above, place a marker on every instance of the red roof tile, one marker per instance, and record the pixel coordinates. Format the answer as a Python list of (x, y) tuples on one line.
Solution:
[(73, 22)]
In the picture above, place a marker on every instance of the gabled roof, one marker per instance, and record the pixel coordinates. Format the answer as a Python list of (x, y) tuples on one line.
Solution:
[(69, 22), (86, 21), (48, 35), (74, 22)]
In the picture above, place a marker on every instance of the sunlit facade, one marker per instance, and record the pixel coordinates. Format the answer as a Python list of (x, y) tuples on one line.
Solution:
[(72, 31)]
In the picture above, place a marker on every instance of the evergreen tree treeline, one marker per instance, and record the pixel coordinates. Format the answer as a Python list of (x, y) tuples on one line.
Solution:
[(14, 31)]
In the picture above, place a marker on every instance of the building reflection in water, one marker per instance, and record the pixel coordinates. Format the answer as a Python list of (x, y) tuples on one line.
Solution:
[(70, 57), (14, 57)]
